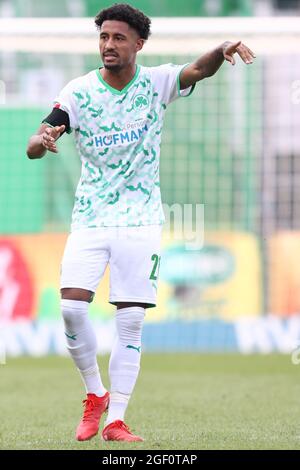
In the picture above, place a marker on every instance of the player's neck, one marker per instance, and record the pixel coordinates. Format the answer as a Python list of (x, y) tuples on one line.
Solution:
[(120, 79)]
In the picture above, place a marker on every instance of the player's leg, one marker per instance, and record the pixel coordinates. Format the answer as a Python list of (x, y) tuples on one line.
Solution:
[(133, 288), (81, 338), (83, 266), (124, 366)]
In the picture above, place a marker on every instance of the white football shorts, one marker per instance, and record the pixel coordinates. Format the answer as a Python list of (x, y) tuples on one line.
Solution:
[(133, 255)]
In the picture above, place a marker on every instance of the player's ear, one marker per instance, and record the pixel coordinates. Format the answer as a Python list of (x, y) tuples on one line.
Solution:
[(139, 44)]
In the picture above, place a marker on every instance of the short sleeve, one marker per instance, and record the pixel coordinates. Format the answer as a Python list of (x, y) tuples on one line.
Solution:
[(65, 101), (166, 79)]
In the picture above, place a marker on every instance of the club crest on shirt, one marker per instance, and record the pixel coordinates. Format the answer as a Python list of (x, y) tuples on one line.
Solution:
[(141, 102)]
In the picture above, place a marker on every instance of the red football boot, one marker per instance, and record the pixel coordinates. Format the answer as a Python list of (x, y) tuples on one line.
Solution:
[(119, 431), (94, 407)]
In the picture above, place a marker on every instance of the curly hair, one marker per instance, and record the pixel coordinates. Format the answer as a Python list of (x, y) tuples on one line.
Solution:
[(124, 12)]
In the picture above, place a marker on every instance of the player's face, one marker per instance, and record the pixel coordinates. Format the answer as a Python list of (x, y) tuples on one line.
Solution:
[(119, 44)]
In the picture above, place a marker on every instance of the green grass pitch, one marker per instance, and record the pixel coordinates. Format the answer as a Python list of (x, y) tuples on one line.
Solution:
[(181, 401)]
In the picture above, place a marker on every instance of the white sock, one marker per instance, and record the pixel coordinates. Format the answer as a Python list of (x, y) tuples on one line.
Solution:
[(92, 381), (118, 403), (82, 344), (124, 364)]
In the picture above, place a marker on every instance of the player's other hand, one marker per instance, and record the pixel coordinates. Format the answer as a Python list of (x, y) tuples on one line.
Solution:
[(50, 135), (230, 48)]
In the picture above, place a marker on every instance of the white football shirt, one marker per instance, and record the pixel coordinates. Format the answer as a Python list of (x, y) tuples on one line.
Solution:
[(118, 136)]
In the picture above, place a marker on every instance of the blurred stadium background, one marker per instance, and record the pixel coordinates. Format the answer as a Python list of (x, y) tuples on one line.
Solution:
[(233, 146)]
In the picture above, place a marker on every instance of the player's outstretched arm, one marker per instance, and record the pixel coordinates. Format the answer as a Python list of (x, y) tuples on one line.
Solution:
[(208, 64), (44, 140)]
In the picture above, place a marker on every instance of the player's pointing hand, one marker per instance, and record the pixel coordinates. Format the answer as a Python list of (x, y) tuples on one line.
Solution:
[(230, 48), (50, 135)]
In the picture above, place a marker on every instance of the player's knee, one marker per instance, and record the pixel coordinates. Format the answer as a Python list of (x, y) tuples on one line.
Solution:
[(130, 322), (136, 322), (77, 294)]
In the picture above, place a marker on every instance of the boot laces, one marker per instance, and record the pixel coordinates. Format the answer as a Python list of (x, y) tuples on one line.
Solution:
[(88, 410)]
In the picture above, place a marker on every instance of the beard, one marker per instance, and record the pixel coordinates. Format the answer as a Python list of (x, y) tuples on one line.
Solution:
[(112, 67)]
